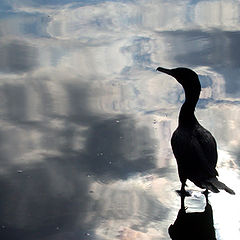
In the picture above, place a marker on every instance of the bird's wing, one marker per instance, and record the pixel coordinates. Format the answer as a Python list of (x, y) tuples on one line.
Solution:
[(195, 153), (202, 154), (208, 145)]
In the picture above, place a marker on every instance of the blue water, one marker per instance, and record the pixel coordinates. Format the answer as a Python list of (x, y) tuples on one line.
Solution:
[(86, 121)]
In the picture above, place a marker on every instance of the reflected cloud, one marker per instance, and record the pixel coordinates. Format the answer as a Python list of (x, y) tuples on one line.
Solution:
[(17, 57), (128, 210), (85, 122), (43, 199), (53, 193), (122, 17), (116, 148)]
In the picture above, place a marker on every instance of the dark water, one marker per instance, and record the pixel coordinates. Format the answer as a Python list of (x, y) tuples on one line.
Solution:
[(85, 120)]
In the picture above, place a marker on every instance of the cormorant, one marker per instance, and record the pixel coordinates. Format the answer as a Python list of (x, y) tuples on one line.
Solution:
[(193, 146)]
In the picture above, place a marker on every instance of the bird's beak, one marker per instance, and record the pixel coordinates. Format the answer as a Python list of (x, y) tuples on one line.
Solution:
[(165, 70)]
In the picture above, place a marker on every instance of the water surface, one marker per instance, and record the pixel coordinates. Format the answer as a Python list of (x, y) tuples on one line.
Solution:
[(86, 120)]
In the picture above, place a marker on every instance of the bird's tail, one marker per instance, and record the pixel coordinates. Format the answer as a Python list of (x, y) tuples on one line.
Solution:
[(213, 184)]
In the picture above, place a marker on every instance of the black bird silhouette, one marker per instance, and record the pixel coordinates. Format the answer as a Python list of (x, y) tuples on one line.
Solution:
[(193, 146), (194, 225)]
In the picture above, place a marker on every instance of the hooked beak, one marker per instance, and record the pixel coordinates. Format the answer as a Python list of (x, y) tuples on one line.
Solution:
[(165, 70)]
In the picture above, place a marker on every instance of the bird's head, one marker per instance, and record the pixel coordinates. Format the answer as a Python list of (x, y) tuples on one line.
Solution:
[(185, 76)]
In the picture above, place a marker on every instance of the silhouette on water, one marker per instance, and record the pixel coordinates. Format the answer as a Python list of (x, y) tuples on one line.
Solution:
[(194, 147), (195, 225)]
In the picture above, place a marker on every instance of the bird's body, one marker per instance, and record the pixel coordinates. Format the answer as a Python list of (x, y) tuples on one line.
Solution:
[(195, 151), (194, 147)]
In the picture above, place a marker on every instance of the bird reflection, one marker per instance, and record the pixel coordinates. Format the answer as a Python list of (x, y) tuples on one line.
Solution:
[(194, 147), (195, 225)]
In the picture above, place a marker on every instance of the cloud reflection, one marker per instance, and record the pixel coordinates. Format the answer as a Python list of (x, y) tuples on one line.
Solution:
[(17, 57), (86, 122)]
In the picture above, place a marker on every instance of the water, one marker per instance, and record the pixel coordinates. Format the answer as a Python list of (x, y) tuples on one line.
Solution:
[(86, 120)]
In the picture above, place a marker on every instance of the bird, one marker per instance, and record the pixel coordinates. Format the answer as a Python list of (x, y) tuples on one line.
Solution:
[(193, 146)]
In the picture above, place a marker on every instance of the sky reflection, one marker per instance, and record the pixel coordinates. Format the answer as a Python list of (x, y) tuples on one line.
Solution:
[(86, 120)]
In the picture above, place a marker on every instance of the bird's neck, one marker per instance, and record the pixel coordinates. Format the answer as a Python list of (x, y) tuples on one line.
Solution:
[(187, 117)]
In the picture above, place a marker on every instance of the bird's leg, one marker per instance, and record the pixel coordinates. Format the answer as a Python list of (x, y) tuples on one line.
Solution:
[(183, 192), (206, 192)]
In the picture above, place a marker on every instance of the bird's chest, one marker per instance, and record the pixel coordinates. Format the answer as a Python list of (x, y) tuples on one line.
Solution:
[(182, 136), (182, 143)]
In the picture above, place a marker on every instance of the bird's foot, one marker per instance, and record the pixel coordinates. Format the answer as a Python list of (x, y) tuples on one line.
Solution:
[(183, 193), (206, 192)]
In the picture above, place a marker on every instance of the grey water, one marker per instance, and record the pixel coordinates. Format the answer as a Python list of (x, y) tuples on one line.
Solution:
[(86, 121)]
